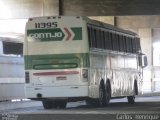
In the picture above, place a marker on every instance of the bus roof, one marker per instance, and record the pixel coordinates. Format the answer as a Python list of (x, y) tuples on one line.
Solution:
[(107, 26), (89, 21)]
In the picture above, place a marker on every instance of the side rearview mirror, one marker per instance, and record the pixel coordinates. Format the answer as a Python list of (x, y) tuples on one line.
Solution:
[(143, 60)]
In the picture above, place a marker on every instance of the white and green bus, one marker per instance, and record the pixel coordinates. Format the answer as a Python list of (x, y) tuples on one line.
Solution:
[(71, 58)]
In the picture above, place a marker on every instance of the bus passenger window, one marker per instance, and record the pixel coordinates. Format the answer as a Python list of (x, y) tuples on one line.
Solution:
[(138, 44), (114, 42), (89, 36), (109, 41), (117, 46), (128, 44), (121, 43), (105, 39), (133, 45), (102, 39), (94, 38), (98, 38)]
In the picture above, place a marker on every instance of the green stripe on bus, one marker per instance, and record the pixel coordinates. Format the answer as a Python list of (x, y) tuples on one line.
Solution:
[(56, 61), (55, 34), (78, 33)]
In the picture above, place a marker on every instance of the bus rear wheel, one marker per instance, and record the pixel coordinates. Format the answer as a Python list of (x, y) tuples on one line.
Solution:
[(131, 99), (108, 92), (47, 104), (101, 101), (104, 94), (59, 104)]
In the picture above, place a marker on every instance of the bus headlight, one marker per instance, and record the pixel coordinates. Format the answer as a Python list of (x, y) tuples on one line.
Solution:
[(85, 74)]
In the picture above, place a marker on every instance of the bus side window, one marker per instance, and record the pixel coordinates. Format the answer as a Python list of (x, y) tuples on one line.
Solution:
[(109, 41), (89, 37), (112, 39), (133, 45), (94, 38), (125, 43), (122, 43), (106, 38), (97, 39), (138, 44), (136, 47), (117, 42), (128, 44), (102, 39)]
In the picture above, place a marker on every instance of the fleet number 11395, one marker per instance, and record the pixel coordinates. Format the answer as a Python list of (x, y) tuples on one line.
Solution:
[(46, 25)]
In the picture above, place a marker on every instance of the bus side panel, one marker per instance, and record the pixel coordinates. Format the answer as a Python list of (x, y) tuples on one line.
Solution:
[(121, 70), (99, 67)]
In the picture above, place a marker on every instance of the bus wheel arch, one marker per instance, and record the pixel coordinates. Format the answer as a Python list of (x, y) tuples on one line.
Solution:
[(100, 100)]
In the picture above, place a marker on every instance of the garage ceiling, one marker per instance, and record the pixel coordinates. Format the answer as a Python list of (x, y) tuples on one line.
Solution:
[(110, 7), (18, 9)]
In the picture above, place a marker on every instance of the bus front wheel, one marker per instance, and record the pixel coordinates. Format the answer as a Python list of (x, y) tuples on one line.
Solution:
[(131, 99)]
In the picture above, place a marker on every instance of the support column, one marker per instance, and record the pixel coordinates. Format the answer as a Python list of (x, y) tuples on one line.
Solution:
[(51, 7), (146, 42)]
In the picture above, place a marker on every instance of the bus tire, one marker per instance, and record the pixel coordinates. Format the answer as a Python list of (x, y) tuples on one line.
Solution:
[(92, 102), (108, 92), (102, 95), (47, 104), (60, 104), (131, 99)]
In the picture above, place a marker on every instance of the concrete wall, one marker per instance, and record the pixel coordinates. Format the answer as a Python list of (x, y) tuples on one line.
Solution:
[(142, 21), (146, 43)]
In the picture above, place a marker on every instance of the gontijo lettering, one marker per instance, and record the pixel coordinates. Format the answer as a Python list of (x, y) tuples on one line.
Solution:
[(56, 34), (46, 35)]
